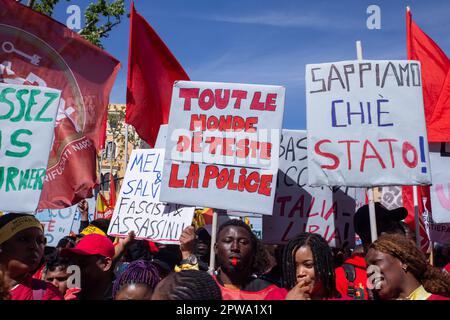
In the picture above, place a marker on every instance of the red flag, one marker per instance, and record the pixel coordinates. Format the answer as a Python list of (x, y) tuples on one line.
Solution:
[(152, 70), (54, 56), (112, 190), (435, 80)]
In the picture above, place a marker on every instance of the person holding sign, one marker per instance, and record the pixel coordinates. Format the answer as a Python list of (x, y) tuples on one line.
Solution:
[(397, 269), (22, 245), (241, 257), (308, 268)]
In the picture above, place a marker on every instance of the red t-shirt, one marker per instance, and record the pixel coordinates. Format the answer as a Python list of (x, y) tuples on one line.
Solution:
[(269, 292), (447, 268), (360, 282), (42, 290)]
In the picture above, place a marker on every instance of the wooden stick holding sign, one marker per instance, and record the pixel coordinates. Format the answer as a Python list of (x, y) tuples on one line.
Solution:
[(372, 215), (212, 256)]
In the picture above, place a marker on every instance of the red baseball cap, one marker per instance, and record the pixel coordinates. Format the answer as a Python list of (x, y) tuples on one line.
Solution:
[(92, 244)]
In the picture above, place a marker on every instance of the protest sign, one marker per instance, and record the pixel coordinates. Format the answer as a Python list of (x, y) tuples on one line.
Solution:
[(58, 223), (440, 190), (391, 197), (366, 125), (222, 145), (27, 120), (301, 208), (138, 207), (162, 136)]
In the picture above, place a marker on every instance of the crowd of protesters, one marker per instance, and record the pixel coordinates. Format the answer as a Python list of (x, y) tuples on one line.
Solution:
[(94, 266)]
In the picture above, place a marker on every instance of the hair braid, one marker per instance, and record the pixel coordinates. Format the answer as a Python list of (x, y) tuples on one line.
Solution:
[(323, 262), (402, 248), (137, 272)]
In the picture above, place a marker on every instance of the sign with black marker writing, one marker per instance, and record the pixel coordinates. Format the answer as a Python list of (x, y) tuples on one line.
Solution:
[(366, 124), (27, 118), (301, 208), (139, 209)]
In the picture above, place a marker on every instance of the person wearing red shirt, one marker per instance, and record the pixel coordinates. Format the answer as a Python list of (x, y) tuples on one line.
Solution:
[(351, 277), (22, 245), (241, 257)]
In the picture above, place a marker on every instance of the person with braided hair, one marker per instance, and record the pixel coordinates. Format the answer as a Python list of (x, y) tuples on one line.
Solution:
[(308, 268), (188, 285), (137, 282), (241, 259), (397, 269)]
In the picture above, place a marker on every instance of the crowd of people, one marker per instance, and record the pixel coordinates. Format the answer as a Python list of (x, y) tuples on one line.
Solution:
[(94, 266)]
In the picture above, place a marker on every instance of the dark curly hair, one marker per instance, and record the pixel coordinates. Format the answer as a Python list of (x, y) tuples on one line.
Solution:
[(323, 262), (189, 285), (433, 280), (261, 261)]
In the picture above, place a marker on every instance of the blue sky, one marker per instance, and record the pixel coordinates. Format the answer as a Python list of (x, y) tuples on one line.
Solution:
[(270, 42)]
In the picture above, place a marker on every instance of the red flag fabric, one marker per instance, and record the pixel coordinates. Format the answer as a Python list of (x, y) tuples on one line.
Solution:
[(435, 80), (46, 53), (152, 70), (112, 191)]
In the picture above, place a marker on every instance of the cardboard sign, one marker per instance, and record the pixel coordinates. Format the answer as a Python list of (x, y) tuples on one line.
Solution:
[(366, 124), (440, 190), (222, 145), (138, 207), (27, 117), (301, 208)]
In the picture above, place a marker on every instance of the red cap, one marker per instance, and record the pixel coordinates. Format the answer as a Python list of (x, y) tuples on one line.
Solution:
[(92, 244)]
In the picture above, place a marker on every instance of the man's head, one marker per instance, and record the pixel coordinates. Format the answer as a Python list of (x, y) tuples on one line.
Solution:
[(388, 222), (238, 250), (202, 244), (56, 273), (93, 254)]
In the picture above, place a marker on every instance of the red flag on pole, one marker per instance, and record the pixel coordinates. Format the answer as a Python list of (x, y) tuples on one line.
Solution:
[(56, 57), (435, 80), (112, 191), (152, 70)]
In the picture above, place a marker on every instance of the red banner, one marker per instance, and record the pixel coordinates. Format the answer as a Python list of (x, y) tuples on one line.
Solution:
[(37, 50)]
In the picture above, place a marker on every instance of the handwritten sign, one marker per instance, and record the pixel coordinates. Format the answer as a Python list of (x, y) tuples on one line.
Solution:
[(299, 207), (139, 208), (27, 117), (58, 223), (222, 145), (366, 124), (440, 190)]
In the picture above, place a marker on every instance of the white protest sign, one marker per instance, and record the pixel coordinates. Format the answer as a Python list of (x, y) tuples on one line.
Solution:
[(27, 117), (300, 208), (58, 223), (162, 137), (366, 124), (391, 197), (138, 207), (440, 190), (222, 145)]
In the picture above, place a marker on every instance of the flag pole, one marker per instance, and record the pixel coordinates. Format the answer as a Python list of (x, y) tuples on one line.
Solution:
[(372, 215), (212, 256), (126, 146)]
